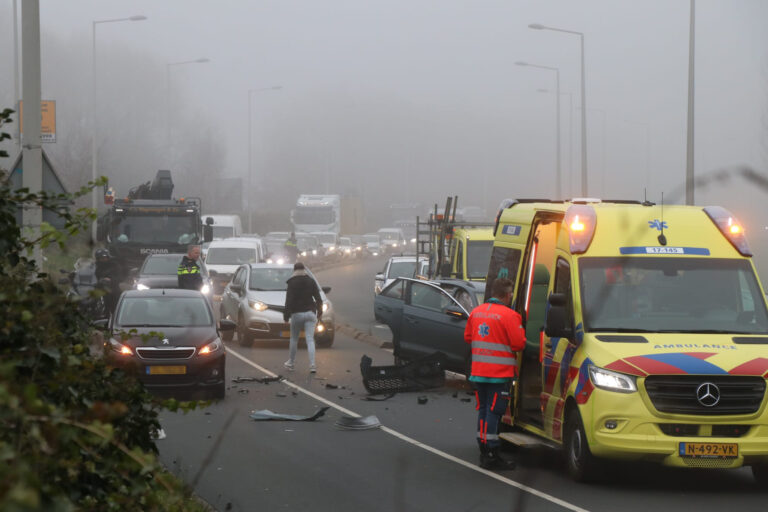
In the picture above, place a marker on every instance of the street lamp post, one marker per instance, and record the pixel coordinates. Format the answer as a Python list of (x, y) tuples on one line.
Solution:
[(689, 193), (570, 135), (94, 163), (201, 60), (558, 178), (249, 190), (538, 26)]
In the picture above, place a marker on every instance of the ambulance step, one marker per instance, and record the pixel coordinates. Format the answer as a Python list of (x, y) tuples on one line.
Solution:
[(521, 439)]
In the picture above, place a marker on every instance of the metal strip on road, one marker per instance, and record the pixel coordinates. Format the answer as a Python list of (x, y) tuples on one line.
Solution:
[(419, 444)]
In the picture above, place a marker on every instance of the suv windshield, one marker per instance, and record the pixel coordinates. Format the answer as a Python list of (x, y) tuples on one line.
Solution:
[(671, 295), (478, 257), (231, 255), (269, 279), (164, 312), (401, 269), (161, 265)]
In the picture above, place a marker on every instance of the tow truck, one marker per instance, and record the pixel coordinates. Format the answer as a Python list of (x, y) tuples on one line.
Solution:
[(455, 248), (150, 221)]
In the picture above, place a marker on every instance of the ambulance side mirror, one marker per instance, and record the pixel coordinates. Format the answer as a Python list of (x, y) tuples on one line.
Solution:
[(558, 324)]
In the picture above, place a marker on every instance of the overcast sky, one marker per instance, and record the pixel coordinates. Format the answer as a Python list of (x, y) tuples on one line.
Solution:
[(428, 90)]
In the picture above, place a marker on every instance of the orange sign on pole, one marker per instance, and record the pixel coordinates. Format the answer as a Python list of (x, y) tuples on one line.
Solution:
[(48, 124)]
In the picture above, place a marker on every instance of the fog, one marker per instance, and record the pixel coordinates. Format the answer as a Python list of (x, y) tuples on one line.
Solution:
[(406, 100)]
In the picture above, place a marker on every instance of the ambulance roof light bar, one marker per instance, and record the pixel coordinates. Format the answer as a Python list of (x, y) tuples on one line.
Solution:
[(580, 221), (730, 227)]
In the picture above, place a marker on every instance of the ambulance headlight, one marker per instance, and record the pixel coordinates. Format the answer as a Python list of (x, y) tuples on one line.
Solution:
[(612, 381), (141, 286)]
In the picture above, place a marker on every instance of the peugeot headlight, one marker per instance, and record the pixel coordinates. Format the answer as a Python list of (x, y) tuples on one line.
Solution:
[(118, 347), (141, 286), (612, 381), (210, 348), (257, 305), (320, 327), (325, 306), (205, 290)]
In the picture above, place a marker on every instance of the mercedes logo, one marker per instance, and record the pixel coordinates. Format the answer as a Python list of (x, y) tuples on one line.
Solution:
[(708, 394)]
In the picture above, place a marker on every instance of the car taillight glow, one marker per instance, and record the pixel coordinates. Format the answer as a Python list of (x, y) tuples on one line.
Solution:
[(580, 220), (730, 227)]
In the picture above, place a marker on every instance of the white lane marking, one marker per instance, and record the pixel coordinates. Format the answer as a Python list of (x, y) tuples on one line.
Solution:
[(419, 444)]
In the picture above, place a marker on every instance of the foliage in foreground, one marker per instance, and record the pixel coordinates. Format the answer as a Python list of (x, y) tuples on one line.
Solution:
[(75, 434)]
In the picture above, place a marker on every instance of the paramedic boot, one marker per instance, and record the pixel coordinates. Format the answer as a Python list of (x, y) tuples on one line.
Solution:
[(483, 452), (494, 460)]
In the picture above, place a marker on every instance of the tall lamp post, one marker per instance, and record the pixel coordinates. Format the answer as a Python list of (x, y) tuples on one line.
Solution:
[(249, 191), (539, 26), (201, 60), (94, 163), (558, 177), (689, 196), (570, 135)]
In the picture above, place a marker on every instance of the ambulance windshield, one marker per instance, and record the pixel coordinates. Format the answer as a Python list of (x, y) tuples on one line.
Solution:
[(671, 294)]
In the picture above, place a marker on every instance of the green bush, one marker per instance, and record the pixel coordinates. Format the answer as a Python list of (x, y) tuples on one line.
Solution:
[(75, 434)]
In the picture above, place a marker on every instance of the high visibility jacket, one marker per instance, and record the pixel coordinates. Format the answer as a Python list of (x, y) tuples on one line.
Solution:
[(496, 334), (189, 274)]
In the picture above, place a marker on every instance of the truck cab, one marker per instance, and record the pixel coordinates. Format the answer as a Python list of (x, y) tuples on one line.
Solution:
[(646, 328)]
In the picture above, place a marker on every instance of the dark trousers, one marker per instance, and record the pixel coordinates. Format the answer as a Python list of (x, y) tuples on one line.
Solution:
[(492, 401)]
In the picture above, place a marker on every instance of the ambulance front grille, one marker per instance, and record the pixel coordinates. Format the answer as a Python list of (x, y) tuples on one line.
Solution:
[(677, 394)]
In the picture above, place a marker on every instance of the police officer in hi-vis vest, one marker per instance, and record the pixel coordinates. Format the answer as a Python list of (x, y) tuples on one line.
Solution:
[(189, 270), (496, 334)]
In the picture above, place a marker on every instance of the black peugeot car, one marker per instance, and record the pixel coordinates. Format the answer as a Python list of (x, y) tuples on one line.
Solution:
[(161, 271), (170, 338)]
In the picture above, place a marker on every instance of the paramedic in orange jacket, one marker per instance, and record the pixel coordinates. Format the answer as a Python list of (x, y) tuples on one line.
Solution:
[(496, 334)]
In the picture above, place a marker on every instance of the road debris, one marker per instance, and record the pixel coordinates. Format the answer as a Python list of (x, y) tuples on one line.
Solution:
[(263, 380), (422, 373), (331, 386), (422, 400), (371, 398), (267, 415), (351, 423)]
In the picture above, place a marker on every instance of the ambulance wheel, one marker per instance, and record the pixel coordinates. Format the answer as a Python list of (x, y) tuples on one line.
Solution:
[(760, 473), (582, 465)]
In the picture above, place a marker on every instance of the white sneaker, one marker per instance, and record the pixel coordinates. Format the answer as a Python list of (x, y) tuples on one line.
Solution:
[(313, 369), (288, 365)]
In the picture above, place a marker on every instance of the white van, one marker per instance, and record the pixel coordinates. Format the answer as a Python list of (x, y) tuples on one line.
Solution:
[(392, 238), (225, 256), (225, 226)]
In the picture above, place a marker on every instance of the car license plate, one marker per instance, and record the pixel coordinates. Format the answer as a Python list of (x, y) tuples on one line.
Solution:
[(287, 334), (709, 450), (166, 370)]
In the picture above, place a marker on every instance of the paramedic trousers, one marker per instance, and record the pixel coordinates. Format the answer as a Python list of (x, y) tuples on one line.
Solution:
[(305, 321), (492, 401)]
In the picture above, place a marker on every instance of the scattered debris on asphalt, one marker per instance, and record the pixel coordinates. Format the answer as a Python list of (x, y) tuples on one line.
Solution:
[(422, 373), (158, 434), (371, 398), (263, 380), (351, 423), (281, 394), (422, 400), (267, 415), (242, 391), (466, 400), (455, 394), (331, 386)]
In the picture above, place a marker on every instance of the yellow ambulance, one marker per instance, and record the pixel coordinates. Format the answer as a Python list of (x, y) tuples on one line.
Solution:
[(647, 334)]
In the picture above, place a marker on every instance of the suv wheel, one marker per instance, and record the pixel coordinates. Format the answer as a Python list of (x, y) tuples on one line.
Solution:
[(243, 337)]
